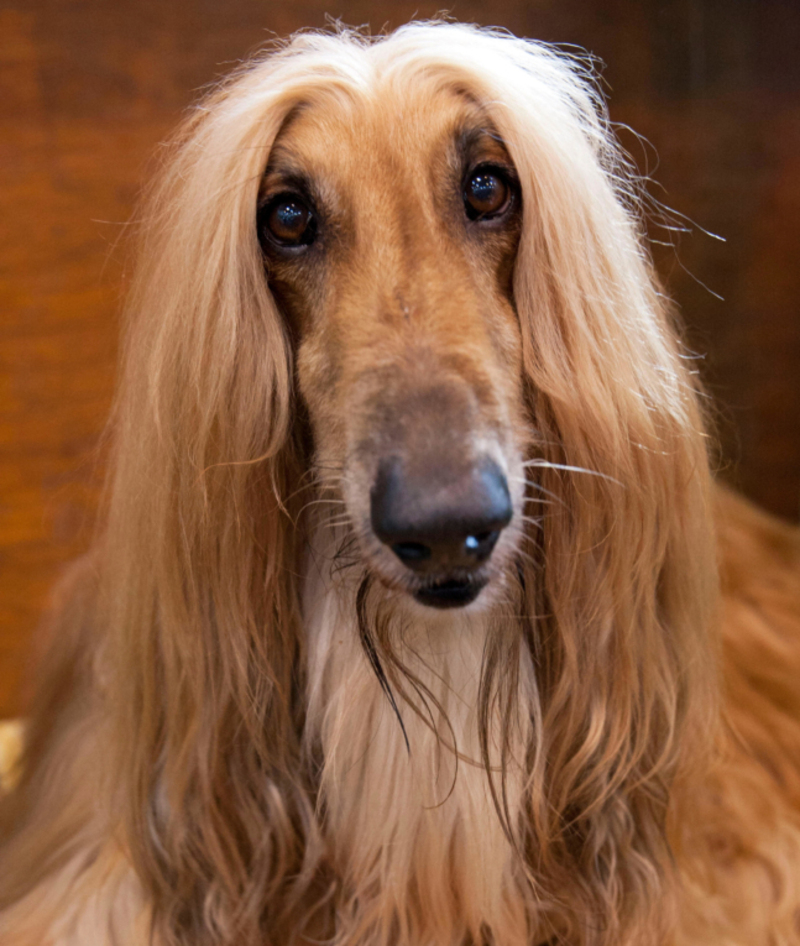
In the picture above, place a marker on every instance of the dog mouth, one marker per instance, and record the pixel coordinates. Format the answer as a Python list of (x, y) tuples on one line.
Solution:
[(449, 593)]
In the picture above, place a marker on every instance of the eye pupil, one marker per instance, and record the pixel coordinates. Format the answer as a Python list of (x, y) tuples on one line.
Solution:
[(484, 188), (287, 221), (290, 218), (485, 194)]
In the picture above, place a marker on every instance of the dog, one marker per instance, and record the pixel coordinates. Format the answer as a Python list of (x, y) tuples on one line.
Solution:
[(415, 617)]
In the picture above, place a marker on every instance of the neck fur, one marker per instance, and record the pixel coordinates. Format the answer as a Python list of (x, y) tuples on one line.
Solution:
[(414, 833)]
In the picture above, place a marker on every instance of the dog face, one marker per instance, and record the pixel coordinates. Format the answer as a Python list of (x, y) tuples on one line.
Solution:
[(389, 227)]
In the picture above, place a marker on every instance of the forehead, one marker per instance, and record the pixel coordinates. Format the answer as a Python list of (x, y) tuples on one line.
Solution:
[(388, 129)]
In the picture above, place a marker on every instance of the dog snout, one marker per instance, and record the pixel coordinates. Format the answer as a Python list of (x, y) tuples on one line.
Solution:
[(440, 522)]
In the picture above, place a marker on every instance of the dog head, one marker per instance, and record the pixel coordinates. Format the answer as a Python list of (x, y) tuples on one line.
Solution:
[(427, 245)]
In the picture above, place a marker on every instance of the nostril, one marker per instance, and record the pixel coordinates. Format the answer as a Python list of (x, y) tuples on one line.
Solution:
[(411, 551), (479, 547)]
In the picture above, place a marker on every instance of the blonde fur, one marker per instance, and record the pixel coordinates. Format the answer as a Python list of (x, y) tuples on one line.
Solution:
[(601, 750)]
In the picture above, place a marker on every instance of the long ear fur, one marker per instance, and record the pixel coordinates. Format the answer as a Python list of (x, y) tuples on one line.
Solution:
[(204, 627)]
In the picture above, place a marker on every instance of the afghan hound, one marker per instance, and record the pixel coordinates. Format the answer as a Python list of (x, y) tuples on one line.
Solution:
[(415, 617)]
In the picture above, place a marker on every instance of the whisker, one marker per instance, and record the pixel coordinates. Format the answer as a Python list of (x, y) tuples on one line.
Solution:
[(338, 523), (531, 499), (547, 465), (534, 522), (322, 502), (557, 500)]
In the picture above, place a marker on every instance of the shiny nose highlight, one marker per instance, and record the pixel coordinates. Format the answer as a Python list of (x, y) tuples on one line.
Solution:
[(436, 526)]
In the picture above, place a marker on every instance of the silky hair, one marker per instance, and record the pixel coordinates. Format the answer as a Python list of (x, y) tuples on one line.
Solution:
[(194, 700)]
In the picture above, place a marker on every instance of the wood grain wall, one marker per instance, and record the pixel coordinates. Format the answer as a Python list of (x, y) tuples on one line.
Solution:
[(88, 88)]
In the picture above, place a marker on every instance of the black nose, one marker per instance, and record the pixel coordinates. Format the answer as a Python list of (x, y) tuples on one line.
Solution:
[(436, 525)]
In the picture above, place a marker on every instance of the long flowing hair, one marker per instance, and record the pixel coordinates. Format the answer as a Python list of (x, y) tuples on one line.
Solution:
[(195, 625)]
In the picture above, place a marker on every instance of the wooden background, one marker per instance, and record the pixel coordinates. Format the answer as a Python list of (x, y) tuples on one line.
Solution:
[(89, 87)]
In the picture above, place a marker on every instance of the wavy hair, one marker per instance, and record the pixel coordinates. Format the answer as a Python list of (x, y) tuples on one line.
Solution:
[(189, 735)]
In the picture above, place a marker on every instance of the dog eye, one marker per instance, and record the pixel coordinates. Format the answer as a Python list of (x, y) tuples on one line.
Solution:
[(486, 194), (287, 221)]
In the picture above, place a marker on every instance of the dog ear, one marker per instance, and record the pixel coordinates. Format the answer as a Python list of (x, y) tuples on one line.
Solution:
[(621, 567), (201, 598)]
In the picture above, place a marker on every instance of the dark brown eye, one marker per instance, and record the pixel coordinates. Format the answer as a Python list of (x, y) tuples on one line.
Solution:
[(486, 194), (287, 221)]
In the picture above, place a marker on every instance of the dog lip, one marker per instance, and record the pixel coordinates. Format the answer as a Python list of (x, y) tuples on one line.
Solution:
[(450, 593)]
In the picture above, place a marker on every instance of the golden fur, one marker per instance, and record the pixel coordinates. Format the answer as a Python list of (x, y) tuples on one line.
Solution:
[(248, 731)]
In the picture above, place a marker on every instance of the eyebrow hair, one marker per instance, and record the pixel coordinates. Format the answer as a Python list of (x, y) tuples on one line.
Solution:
[(468, 140), (285, 170)]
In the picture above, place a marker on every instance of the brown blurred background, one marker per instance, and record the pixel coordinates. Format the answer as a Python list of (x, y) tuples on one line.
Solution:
[(89, 87)]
